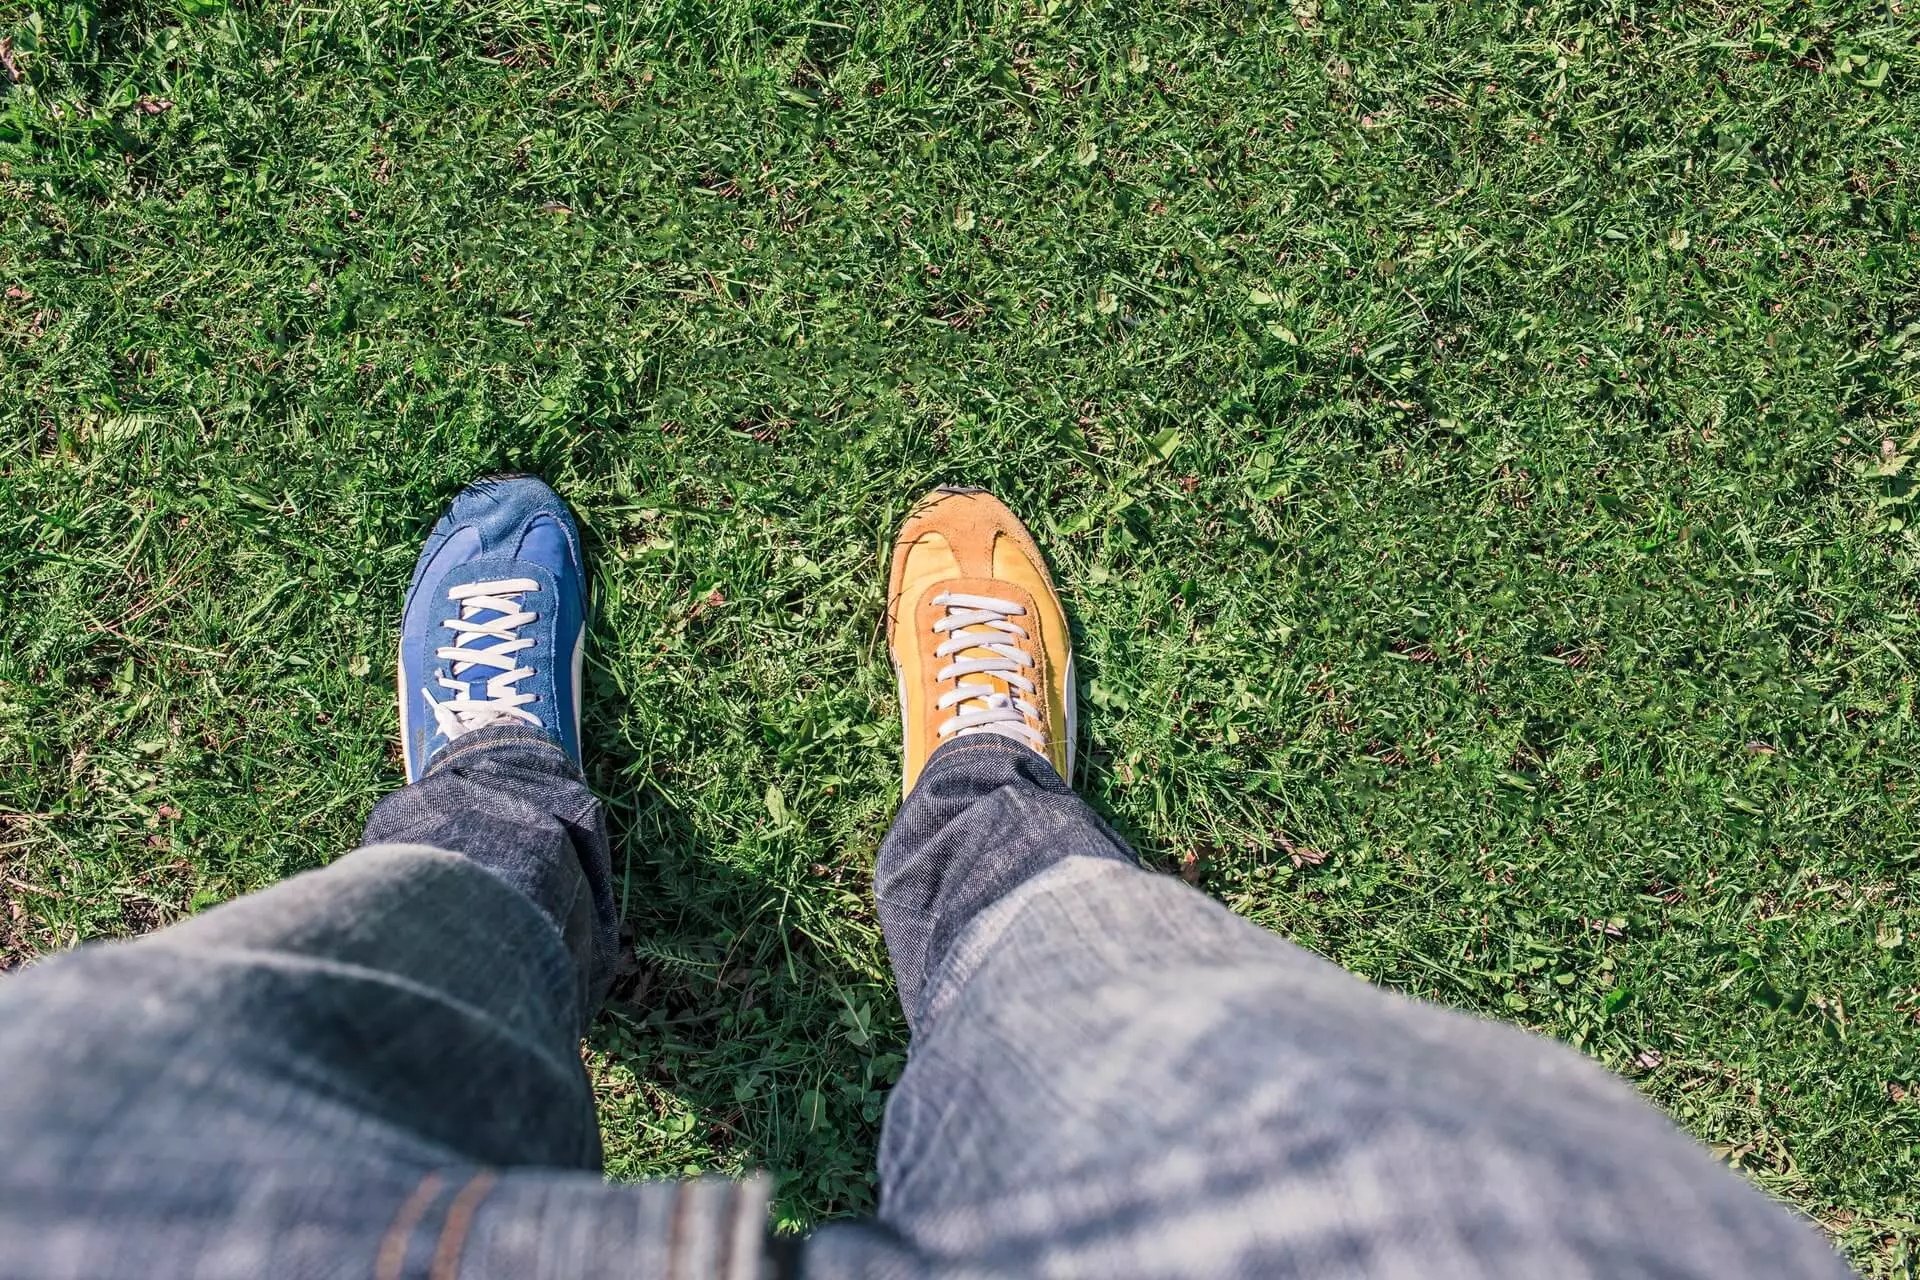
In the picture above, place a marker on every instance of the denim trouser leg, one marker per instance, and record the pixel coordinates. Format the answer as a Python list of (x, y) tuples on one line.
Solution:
[(371, 1070), (1111, 1075), (511, 802)]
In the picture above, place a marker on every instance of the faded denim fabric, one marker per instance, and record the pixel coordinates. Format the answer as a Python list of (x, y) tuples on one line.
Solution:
[(372, 1070), (1113, 1075)]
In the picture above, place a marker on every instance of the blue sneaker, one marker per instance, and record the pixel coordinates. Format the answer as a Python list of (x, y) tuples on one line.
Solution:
[(495, 623)]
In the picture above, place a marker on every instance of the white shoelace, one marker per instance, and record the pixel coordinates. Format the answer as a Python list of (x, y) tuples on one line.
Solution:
[(499, 702), (981, 624)]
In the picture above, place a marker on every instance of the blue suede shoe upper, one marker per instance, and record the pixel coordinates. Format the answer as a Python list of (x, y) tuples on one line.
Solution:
[(512, 531)]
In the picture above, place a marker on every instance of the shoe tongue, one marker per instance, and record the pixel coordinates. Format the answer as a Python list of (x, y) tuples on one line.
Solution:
[(544, 543), (1002, 691), (1002, 697), (477, 643), (1003, 730), (484, 616)]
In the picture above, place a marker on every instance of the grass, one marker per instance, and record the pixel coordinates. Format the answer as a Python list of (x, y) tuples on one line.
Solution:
[(1472, 438)]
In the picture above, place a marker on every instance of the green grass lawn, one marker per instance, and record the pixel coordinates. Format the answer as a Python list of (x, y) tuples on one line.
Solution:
[(1472, 439)]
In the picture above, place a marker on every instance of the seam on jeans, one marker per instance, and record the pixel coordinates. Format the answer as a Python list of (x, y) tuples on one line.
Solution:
[(749, 1227), (578, 817), (976, 742), (581, 817), (677, 1230), (723, 1262), (392, 1256), (909, 941), (453, 1235), (486, 740), (580, 987), (455, 750)]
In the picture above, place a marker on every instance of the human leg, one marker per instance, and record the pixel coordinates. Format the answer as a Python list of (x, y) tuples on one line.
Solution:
[(311, 1054), (1111, 1074), (372, 1069)]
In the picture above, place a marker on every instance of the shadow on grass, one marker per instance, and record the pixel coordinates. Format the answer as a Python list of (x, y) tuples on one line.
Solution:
[(731, 1040)]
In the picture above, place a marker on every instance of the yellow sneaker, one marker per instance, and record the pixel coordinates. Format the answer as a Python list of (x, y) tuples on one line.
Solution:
[(978, 637)]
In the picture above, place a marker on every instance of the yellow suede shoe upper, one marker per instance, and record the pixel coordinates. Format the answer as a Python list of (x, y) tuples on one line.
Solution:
[(959, 557)]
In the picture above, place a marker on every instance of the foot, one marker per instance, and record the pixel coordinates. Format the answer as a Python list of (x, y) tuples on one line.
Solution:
[(978, 637), (495, 621)]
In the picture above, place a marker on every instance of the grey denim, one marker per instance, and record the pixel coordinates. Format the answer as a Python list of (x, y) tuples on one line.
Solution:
[(372, 1070)]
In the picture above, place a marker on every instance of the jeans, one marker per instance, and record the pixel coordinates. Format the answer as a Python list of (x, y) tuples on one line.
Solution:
[(372, 1070)]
